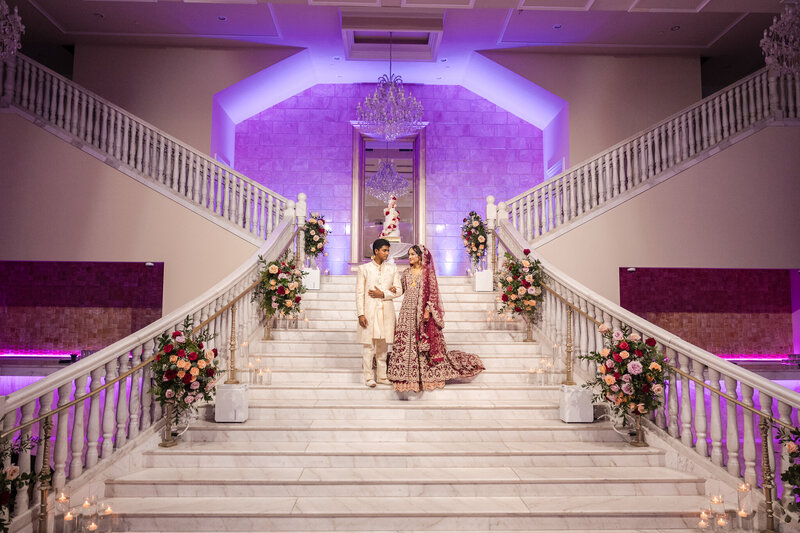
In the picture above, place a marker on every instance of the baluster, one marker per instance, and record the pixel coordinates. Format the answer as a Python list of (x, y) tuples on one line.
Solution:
[(739, 110), (93, 428), (8, 86), (40, 99), (24, 458), (651, 153), (785, 413), (45, 406), (174, 154), (68, 107), (228, 194), (538, 216), (760, 111), (81, 115), (90, 120), (26, 75), (120, 133), (180, 161), (55, 99), (716, 419), (553, 206), (126, 134), (194, 171), (749, 100), (122, 402), (104, 144), (705, 126), (262, 213), (17, 81), (147, 375), (76, 111), (615, 185), (766, 407), (673, 412), (133, 402), (241, 219), (748, 437), (700, 422), (718, 111), (628, 171), (796, 84), (62, 438), (139, 147), (108, 411), (528, 232), (663, 160), (728, 114), (161, 173), (270, 215), (217, 184), (573, 196), (32, 90), (146, 152), (594, 184), (204, 183), (513, 210), (78, 430), (732, 429), (764, 78)]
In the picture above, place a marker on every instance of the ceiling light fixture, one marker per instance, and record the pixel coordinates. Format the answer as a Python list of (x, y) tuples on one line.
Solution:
[(386, 182), (389, 113), (11, 30), (781, 42)]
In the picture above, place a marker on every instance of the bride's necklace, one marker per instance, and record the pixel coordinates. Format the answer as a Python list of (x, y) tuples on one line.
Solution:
[(415, 274)]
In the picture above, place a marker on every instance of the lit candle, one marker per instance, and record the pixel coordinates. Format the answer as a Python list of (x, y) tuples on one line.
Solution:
[(722, 520), (742, 513), (717, 500), (86, 503), (704, 514), (744, 487), (108, 510), (62, 498), (68, 516), (702, 524), (92, 527)]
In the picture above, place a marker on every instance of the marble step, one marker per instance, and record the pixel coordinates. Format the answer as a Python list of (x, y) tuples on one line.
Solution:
[(452, 327), (693, 530), (333, 348), (294, 361), (612, 513), (172, 482), (402, 454), (452, 392), (355, 376), (347, 333), (350, 279), (387, 410), (346, 313), (447, 297), (465, 430), (351, 288)]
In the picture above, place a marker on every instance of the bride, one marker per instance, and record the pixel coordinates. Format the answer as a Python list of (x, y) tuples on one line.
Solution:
[(420, 360)]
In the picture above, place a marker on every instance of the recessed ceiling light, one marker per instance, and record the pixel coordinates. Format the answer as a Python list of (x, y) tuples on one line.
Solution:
[(557, 26), (675, 28), (222, 18)]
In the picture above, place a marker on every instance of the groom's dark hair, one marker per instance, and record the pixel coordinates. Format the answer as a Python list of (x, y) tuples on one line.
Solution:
[(380, 243)]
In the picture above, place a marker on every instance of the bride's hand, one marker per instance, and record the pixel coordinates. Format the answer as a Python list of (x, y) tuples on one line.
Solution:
[(426, 315)]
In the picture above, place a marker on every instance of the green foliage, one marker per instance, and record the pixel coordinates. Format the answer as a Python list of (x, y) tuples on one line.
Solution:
[(315, 235), (12, 480), (790, 439), (473, 234), (520, 283), (279, 287)]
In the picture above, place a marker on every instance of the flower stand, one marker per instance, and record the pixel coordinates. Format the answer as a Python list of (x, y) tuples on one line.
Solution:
[(231, 403), (311, 278), (483, 281), (575, 404)]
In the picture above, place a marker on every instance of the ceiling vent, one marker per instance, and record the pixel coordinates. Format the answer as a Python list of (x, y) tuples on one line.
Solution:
[(367, 38)]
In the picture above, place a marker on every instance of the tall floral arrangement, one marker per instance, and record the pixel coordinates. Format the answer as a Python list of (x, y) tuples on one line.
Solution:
[(315, 235), (185, 369), (630, 372), (520, 283), (279, 287), (791, 475), (473, 234), (12, 480)]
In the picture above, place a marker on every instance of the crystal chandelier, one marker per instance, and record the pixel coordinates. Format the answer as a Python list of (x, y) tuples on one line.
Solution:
[(389, 113), (386, 183), (781, 42), (11, 30)]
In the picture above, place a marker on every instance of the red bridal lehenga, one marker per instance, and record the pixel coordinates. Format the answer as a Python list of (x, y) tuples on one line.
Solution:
[(420, 360)]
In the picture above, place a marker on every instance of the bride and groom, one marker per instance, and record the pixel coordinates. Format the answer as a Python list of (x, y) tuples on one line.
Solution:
[(419, 360)]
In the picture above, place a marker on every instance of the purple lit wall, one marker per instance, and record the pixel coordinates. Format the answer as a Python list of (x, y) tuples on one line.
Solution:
[(69, 306), (725, 311), (473, 149)]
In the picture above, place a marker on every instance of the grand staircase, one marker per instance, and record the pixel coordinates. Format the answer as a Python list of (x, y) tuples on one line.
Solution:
[(321, 452)]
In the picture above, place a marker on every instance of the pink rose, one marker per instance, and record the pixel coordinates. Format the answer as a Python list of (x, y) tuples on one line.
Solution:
[(618, 336), (635, 337), (603, 327), (626, 378), (610, 363), (791, 447), (658, 389), (195, 385), (627, 388), (635, 368), (11, 472), (170, 393)]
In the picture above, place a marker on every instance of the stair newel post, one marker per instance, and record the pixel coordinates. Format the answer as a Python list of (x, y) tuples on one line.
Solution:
[(767, 479), (774, 92), (491, 220), (232, 347), (301, 209), (502, 216), (568, 348)]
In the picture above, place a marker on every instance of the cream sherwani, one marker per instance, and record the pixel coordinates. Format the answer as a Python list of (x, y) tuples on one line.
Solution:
[(379, 312)]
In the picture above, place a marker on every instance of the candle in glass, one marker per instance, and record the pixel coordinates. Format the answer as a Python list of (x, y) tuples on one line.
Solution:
[(91, 527), (702, 524), (62, 502), (722, 522), (744, 496)]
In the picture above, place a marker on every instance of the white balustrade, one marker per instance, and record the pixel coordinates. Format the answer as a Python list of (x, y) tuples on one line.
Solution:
[(652, 152), (702, 418), (125, 410), (140, 147)]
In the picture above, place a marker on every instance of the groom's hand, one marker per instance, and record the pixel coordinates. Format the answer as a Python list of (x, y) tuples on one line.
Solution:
[(375, 292), (362, 321)]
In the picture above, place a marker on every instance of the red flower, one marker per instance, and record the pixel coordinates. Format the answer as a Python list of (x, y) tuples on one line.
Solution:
[(623, 345), (209, 372), (181, 353), (187, 378), (526, 251), (386, 213), (645, 388), (200, 345), (281, 290), (617, 358), (617, 375), (650, 342), (510, 289), (465, 220), (638, 353), (283, 264), (321, 222), (297, 300), (321, 231), (168, 348), (171, 374), (176, 334), (214, 351), (193, 356), (158, 357), (5, 497), (505, 297), (518, 309)]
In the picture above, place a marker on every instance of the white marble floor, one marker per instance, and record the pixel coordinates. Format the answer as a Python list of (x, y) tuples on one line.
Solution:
[(323, 453)]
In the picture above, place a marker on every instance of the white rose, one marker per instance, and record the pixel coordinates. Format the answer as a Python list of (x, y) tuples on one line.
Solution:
[(313, 232), (11, 472), (316, 237)]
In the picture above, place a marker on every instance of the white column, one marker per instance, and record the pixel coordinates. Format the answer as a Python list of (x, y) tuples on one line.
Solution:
[(93, 428), (77, 435)]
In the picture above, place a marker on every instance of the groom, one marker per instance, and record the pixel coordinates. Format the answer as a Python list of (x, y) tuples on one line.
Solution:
[(377, 283)]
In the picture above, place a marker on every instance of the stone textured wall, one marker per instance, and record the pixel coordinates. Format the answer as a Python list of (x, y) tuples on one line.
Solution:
[(72, 306), (725, 311), (473, 149)]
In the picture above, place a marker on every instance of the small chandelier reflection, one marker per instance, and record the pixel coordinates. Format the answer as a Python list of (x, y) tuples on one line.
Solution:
[(11, 30), (781, 42), (386, 182), (389, 113)]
